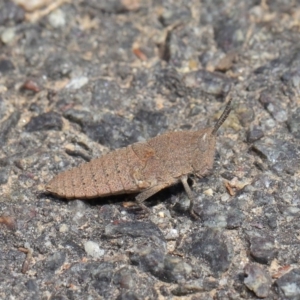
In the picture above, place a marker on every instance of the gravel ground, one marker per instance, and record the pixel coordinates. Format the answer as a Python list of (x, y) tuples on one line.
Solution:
[(80, 78)]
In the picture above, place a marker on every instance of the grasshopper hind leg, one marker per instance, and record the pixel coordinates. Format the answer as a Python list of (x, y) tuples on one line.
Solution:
[(191, 196), (140, 198)]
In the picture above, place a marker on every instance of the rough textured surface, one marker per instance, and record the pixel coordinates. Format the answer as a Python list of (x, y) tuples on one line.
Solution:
[(92, 76), (257, 280)]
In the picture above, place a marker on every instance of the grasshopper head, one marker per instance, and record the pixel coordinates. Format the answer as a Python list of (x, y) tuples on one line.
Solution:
[(204, 155)]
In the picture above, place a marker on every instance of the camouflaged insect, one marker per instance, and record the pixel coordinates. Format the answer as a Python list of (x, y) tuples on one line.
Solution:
[(144, 168)]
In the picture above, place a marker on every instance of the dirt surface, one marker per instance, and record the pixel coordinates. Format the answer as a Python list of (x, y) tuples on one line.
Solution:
[(80, 78)]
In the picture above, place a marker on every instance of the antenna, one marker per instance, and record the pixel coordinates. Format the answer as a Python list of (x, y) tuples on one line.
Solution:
[(223, 117)]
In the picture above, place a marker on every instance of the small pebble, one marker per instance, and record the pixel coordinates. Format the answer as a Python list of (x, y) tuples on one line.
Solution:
[(77, 83), (209, 192), (63, 228), (93, 249), (288, 285), (8, 35), (161, 214), (172, 234), (257, 280), (57, 18)]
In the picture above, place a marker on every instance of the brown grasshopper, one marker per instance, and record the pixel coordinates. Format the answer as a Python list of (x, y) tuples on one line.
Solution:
[(144, 168)]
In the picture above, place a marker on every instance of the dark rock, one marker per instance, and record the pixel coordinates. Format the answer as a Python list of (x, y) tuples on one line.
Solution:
[(271, 215), (152, 122), (279, 6), (7, 125), (57, 66), (195, 110), (74, 247), (118, 40), (112, 131), (195, 286), (227, 294), (55, 261), (10, 13), (31, 285), (3, 107), (140, 79), (101, 274), (45, 121), (294, 123), (206, 57), (133, 229), (77, 116), (290, 211), (165, 267), (254, 134), (226, 34), (108, 280), (6, 65), (109, 213), (124, 278), (257, 280), (13, 257), (4, 174), (171, 14), (149, 259), (292, 79), (93, 270), (123, 71), (41, 244), (277, 112), (211, 246), (209, 82), (235, 217), (227, 175), (173, 81), (273, 105), (212, 215), (217, 216), (114, 6), (261, 198), (175, 269), (32, 40), (263, 181), (279, 62), (128, 295), (58, 297), (34, 107), (282, 155), (107, 93), (181, 204), (164, 291), (292, 255), (288, 286), (262, 248)]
